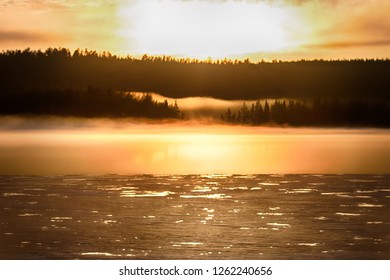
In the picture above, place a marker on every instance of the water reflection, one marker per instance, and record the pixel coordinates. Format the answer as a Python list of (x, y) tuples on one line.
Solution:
[(195, 150)]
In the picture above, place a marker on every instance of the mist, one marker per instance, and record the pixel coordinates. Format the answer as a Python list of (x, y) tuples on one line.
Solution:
[(55, 146)]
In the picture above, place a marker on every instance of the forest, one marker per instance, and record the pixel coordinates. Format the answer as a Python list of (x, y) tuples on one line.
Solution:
[(90, 84), (178, 78), (320, 112), (89, 102)]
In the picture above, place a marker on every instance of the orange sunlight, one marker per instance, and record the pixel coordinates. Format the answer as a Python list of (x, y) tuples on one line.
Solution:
[(192, 149), (235, 29)]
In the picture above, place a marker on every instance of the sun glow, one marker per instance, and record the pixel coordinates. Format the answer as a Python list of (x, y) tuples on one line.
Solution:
[(205, 28)]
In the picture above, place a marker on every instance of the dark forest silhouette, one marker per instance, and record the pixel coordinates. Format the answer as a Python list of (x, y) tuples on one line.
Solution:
[(177, 78), (321, 112), (56, 81), (90, 102)]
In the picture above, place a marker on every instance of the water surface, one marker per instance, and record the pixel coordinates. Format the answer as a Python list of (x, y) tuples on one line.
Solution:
[(195, 217), (192, 149)]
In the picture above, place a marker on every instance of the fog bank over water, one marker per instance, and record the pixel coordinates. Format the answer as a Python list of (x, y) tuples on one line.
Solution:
[(80, 146), (196, 107)]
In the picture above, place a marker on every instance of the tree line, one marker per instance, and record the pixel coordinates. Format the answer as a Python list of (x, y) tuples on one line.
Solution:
[(88, 102), (91, 84), (320, 112), (177, 78)]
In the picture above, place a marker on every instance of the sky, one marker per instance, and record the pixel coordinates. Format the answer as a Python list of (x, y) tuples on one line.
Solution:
[(255, 29)]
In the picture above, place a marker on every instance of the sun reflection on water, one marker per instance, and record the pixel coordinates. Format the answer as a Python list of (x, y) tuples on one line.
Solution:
[(216, 150)]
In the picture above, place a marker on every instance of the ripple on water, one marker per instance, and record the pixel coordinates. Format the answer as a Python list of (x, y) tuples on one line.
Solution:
[(270, 214), (215, 176), (235, 188), (201, 189), (363, 196), (268, 184), (369, 205), (316, 184), (35, 189), (348, 214), (321, 218), (362, 238), (74, 179), (245, 176), (29, 215), (60, 219), (293, 191), (287, 182), (163, 183), (367, 191), (107, 222), (278, 225), (179, 244), (17, 194), (361, 180), (334, 193), (209, 196), (212, 183), (102, 254), (111, 188), (309, 244), (145, 194)]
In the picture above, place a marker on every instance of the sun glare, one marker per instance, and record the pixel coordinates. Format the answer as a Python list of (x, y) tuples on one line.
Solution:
[(204, 28)]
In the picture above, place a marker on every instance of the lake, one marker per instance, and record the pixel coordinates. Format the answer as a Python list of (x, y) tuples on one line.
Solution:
[(107, 147), (103, 190)]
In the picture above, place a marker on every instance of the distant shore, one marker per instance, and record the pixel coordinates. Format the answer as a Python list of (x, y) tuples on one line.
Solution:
[(87, 84)]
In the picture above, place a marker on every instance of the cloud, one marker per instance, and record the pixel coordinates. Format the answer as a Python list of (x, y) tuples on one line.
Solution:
[(367, 22), (67, 23), (349, 44), (21, 36), (55, 5)]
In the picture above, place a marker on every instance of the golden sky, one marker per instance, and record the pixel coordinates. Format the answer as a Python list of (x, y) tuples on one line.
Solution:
[(258, 29)]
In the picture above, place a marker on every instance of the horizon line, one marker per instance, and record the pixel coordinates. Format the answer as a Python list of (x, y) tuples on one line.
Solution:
[(179, 59)]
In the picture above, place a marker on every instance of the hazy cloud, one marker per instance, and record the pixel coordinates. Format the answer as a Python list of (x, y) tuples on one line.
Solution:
[(15, 36), (67, 23), (349, 44), (367, 23)]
